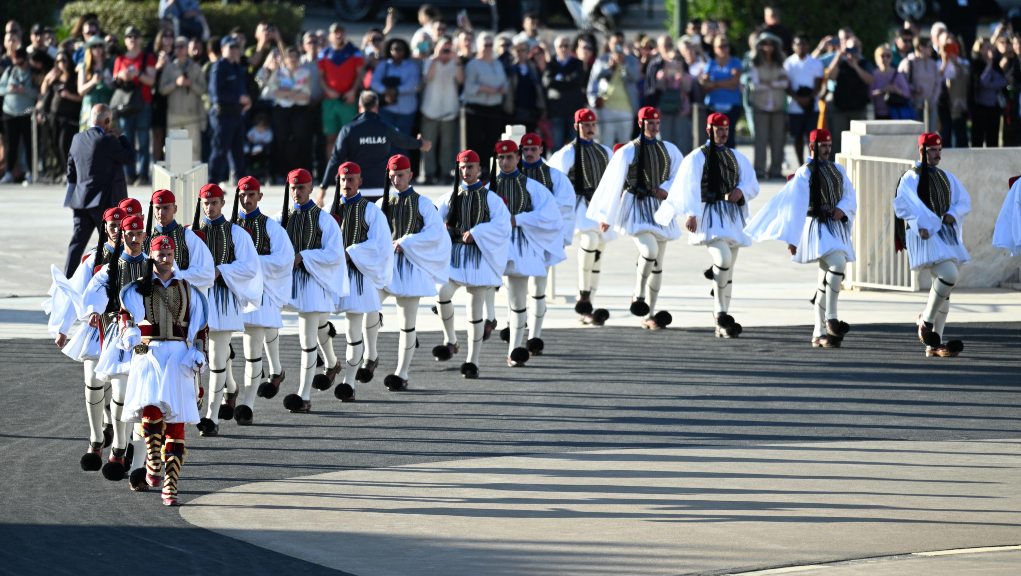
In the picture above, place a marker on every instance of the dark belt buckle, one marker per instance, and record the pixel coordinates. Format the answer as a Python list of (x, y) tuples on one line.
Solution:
[(142, 348)]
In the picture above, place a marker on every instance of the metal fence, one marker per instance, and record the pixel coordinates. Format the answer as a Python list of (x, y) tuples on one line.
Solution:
[(878, 266)]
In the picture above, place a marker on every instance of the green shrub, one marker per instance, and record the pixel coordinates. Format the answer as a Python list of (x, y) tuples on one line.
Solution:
[(116, 15)]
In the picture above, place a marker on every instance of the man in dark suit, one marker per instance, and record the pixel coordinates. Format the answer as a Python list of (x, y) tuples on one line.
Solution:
[(95, 179)]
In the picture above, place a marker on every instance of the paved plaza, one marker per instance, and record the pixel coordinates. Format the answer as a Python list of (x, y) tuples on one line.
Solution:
[(619, 451)]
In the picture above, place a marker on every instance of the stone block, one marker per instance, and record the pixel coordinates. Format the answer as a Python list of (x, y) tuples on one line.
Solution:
[(886, 127)]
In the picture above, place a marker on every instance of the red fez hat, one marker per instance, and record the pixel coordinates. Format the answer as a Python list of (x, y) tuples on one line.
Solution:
[(648, 113), (929, 139), (211, 191), (249, 183), (717, 119), (112, 214), (531, 139), (820, 135), (617, 146), (398, 162), (505, 147), (349, 168), (584, 115), (299, 176), (163, 197), (467, 157), (161, 243), (130, 206), (133, 223)]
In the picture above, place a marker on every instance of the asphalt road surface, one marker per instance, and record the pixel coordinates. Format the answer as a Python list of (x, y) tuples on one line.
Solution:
[(610, 388)]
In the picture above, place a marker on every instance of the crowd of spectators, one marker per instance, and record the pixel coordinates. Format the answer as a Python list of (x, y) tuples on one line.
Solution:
[(266, 104)]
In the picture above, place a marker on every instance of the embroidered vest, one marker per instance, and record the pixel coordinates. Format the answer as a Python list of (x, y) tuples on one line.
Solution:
[(644, 180), (353, 227), (512, 190), (831, 187), (727, 170), (937, 196), (405, 217), (590, 162), (166, 310), (219, 240), (468, 208), (180, 246), (303, 229), (128, 270), (540, 173), (256, 227)]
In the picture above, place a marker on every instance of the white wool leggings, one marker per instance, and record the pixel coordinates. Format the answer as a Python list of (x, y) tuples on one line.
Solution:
[(118, 388), (944, 278), (537, 293), (219, 354), (831, 275), (407, 310), (590, 249), (517, 307), (95, 400), (476, 305), (254, 341), (724, 257), (649, 275), (355, 345), (308, 339), (273, 350)]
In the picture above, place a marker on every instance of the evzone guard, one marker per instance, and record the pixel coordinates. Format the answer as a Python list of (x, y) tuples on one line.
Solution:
[(236, 290), (479, 227), (536, 239), (369, 254), (814, 214), (711, 193), (276, 257), (161, 316), (584, 161), (101, 305), (319, 281), (533, 167), (634, 185), (933, 203), (1007, 230), (421, 261), (65, 311)]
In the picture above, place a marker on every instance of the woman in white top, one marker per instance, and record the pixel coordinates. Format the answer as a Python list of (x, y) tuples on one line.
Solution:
[(485, 87), (289, 84)]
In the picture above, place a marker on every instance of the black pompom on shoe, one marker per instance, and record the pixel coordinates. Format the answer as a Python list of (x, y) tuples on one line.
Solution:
[(243, 415), (344, 392), (469, 371), (136, 480), (226, 411), (113, 470), (293, 402), (505, 334), (519, 356), (395, 383), (366, 372), (91, 461), (724, 320), (321, 382), (708, 273), (639, 307), (663, 318), (955, 346), (267, 390), (207, 427), (536, 346), (107, 435), (443, 352), (600, 315), (583, 307), (735, 330)]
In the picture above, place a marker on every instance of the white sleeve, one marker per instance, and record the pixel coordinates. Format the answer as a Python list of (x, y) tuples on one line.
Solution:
[(747, 181), (244, 275), (95, 298), (960, 200), (563, 191), (327, 263), (783, 217), (562, 159), (685, 189), (429, 248), (374, 256), (493, 237), (849, 197), (278, 264), (605, 203), (908, 207), (1007, 232), (543, 225), (675, 165), (201, 272)]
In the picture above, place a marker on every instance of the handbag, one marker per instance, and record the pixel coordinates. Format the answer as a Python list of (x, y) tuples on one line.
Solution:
[(126, 101), (893, 99)]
